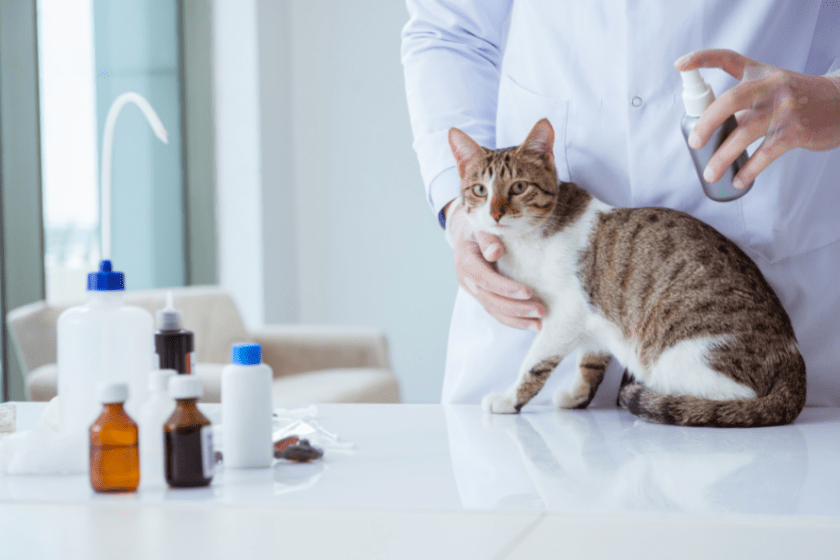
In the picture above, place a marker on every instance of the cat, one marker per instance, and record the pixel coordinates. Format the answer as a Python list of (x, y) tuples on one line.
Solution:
[(704, 339)]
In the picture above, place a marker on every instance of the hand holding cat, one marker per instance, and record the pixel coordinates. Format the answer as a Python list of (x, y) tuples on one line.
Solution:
[(507, 301), (788, 109)]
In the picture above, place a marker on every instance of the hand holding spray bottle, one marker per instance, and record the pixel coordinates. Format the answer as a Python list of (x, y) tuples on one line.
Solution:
[(697, 96)]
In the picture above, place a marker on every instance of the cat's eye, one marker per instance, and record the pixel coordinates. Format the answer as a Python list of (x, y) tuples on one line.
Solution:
[(518, 188), (479, 190)]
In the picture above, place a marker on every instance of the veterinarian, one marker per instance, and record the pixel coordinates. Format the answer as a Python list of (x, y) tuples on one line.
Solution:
[(604, 74)]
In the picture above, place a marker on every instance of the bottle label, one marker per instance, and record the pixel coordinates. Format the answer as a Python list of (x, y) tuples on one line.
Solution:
[(208, 456)]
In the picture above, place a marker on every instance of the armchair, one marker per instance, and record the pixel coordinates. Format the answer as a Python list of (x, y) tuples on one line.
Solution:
[(311, 364)]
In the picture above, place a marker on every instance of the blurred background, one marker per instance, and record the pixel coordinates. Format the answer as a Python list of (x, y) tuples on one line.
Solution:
[(289, 177)]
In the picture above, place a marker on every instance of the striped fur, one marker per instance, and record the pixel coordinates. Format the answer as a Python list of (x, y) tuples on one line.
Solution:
[(704, 337)]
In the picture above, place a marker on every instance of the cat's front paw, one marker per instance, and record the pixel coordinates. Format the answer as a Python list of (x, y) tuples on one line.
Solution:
[(499, 403)]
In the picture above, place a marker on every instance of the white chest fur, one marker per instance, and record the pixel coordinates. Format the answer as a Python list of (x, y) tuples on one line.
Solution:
[(549, 265)]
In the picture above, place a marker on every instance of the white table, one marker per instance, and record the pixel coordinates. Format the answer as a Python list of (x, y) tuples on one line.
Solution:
[(431, 481)]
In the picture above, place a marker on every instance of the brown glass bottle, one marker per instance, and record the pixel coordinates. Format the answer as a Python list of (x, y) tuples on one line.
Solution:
[(114, 452), (188, 445)]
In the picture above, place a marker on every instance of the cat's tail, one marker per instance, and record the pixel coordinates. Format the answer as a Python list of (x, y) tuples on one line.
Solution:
[(780, 406)]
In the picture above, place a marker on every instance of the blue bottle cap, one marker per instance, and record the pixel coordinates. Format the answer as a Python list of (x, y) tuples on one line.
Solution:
[(106, 279), (248, 354)]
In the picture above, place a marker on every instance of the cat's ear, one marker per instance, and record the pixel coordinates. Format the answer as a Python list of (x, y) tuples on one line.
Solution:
[(464, 148), (540, 139)]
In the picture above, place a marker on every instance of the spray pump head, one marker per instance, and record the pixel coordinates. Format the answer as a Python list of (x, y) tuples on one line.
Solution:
[(697, 95), (169, 318)]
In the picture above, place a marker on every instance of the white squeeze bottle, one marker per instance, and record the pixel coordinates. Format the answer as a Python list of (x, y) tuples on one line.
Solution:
[(103, 340), (246, 409), (153, 415)]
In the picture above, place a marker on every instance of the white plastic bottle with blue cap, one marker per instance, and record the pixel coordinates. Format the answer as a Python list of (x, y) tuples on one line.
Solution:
[(246, 409), (103, 340)]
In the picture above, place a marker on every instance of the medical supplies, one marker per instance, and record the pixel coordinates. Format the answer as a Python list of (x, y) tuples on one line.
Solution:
[(246, 409), (173, 343), (101, 340), (114, 454), (697, 96), (188, 439)]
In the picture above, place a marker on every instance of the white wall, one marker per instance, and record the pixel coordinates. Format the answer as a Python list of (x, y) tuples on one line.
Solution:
[(347, 237)]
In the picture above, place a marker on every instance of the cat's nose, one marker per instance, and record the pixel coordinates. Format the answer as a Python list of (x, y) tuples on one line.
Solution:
[(498, 205)]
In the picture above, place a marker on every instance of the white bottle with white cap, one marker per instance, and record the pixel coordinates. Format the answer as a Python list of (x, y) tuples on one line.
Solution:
[(154, 413), (246, 409), (697, 96)]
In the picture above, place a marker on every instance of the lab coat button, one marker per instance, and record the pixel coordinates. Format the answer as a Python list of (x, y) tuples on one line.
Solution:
[(636, 101)]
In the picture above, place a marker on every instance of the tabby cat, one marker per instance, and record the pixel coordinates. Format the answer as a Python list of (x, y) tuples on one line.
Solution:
[(705, 340)]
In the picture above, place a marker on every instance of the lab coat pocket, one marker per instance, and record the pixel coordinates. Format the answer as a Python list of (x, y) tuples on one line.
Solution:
[(519, 109)]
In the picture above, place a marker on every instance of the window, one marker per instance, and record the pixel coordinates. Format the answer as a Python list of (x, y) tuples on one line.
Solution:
[(62, 64)]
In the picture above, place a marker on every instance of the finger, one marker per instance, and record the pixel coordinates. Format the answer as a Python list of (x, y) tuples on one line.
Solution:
[(729, 61), (750, 95), (474, 268), (769, 150), (516, 322), (514, 308), (491, 246), (750, 129)]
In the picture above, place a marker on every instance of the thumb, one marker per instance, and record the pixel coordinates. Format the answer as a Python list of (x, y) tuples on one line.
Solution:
[(490, 245)]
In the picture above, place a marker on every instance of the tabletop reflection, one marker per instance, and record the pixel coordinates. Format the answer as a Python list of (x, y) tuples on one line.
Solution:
[(606, 460)]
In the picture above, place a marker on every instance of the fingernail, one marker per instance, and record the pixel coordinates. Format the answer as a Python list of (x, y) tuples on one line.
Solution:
[(708, 174), (681, 60), (534, 314), (694, 140), (521, 294), (737, 183), (491, 250), (534, 327)]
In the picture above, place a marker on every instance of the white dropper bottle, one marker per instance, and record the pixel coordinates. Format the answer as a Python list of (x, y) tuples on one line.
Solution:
[(697, 96)]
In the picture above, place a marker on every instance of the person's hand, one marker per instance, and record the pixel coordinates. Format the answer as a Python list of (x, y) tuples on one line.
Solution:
[(508, 301), (789, 109)]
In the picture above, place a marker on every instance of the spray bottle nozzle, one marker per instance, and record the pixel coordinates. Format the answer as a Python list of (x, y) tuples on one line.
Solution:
[(169, 318), (697, 95)]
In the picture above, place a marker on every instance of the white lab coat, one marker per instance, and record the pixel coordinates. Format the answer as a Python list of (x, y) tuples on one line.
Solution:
[(602, 72)]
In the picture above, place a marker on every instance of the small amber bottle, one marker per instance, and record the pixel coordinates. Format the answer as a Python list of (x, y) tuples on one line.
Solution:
[(114, 453), (188, 441)]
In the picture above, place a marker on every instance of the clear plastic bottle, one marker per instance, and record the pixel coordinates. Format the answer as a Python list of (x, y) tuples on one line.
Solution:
[(102, 340), (246, 409), (153, 415), (697, 96), (188, 439), (114, 454)]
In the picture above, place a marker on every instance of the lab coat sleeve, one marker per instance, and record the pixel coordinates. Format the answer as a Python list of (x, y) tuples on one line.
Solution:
[(451, 53)]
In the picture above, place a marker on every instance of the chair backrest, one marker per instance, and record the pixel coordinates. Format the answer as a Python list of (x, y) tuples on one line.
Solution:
[(209, 312)]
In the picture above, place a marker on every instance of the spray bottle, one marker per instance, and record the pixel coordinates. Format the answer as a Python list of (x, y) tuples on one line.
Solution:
[(697, 96), (105, 340)]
